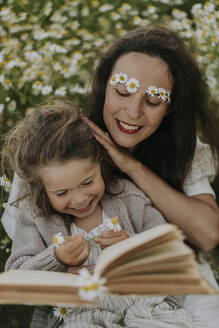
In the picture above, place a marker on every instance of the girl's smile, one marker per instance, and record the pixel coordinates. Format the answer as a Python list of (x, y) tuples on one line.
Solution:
[(74, 187)]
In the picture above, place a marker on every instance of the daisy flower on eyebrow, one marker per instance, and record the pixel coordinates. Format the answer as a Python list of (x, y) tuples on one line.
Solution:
[(162, 94), (123, 78), (151, 91), (58, 239), (132, 85), (114, 79)]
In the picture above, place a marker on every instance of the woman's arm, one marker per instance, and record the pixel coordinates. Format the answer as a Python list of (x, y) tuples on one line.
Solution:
[(197, 216)]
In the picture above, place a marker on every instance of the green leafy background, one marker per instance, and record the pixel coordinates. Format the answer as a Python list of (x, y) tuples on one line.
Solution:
[(52, 47)]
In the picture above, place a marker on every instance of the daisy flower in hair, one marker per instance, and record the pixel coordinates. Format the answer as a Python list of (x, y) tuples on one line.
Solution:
[(58, 239), (90, 285), (62, 312), (113, 224), (132, 85), (114, 79)]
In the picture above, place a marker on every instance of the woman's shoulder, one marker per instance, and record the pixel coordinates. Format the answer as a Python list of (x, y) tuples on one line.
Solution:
[(203, 165)]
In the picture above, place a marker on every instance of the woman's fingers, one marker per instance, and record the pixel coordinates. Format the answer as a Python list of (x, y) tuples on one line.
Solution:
[(96, 130)]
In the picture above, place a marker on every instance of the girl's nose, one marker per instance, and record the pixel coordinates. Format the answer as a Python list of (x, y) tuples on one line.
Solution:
[(78, 199)]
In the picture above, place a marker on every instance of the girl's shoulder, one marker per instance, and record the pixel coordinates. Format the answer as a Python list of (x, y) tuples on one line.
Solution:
[(203, 165), (124, 188)]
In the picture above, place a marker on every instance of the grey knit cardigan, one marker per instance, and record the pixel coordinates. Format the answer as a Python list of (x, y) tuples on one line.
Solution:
[(32, 247)]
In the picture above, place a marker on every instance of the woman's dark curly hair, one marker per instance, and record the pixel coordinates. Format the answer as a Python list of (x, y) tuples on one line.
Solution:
[(54, 131), (169, 150)]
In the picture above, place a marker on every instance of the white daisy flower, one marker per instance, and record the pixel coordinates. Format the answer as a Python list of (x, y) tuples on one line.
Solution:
[(1, 108), (123, 78), (58, 239), (62, 312), (132, 85), (114, 79), (162, 94), (113, 224), (168, 97), (5, 183), (90, 286), (151, 91), (46, 90), (61, 91), (4, 205)]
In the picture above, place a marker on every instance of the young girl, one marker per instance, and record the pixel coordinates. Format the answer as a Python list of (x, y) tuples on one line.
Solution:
[(66, 179)]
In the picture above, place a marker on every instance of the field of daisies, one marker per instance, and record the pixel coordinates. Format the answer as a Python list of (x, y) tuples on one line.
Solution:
[(52, 47)]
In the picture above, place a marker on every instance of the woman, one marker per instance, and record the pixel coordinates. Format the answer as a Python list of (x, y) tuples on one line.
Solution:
[(149, 95)]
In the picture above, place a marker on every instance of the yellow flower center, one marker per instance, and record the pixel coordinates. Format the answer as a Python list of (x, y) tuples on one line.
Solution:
[(113, 78), (121, 78), (153, 92), (93, 286), (132, 85), (114, 220), (54, 240), (162, 93), (63, 311)]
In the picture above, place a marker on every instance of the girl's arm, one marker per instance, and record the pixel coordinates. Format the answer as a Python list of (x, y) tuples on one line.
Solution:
[(197, 216), (29, 250)]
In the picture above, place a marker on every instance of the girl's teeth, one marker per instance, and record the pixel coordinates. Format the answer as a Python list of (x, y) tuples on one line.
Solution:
[(129, 127), (81, 208)]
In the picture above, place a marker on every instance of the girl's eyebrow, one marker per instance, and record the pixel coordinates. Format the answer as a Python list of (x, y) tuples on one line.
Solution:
[(88, 178)]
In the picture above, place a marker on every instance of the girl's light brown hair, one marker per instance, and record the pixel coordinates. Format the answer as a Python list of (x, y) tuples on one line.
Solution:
[(52, 132)]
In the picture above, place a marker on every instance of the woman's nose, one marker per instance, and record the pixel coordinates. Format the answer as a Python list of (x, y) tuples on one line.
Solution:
[(134, 108)]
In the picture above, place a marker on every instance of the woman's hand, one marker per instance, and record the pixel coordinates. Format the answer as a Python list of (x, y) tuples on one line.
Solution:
[(73, 251), (110, 237), (122, 159)]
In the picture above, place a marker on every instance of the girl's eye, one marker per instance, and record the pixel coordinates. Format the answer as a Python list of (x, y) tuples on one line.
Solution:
[(61, 193), (122, 94)]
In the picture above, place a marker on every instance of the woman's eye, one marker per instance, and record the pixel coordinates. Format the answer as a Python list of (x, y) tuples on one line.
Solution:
[(122, 94), (61, 193), (148, 102)]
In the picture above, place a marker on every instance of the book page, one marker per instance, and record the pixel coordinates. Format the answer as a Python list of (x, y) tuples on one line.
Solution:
[(37, 278), (170, 251), (134, 243)]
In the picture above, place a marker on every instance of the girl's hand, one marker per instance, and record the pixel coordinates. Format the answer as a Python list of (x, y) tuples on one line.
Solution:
[(73, 251), (110, 237), (123, 159)]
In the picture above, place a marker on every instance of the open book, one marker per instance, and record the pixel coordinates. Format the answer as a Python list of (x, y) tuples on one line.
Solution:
[(154, 262)]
